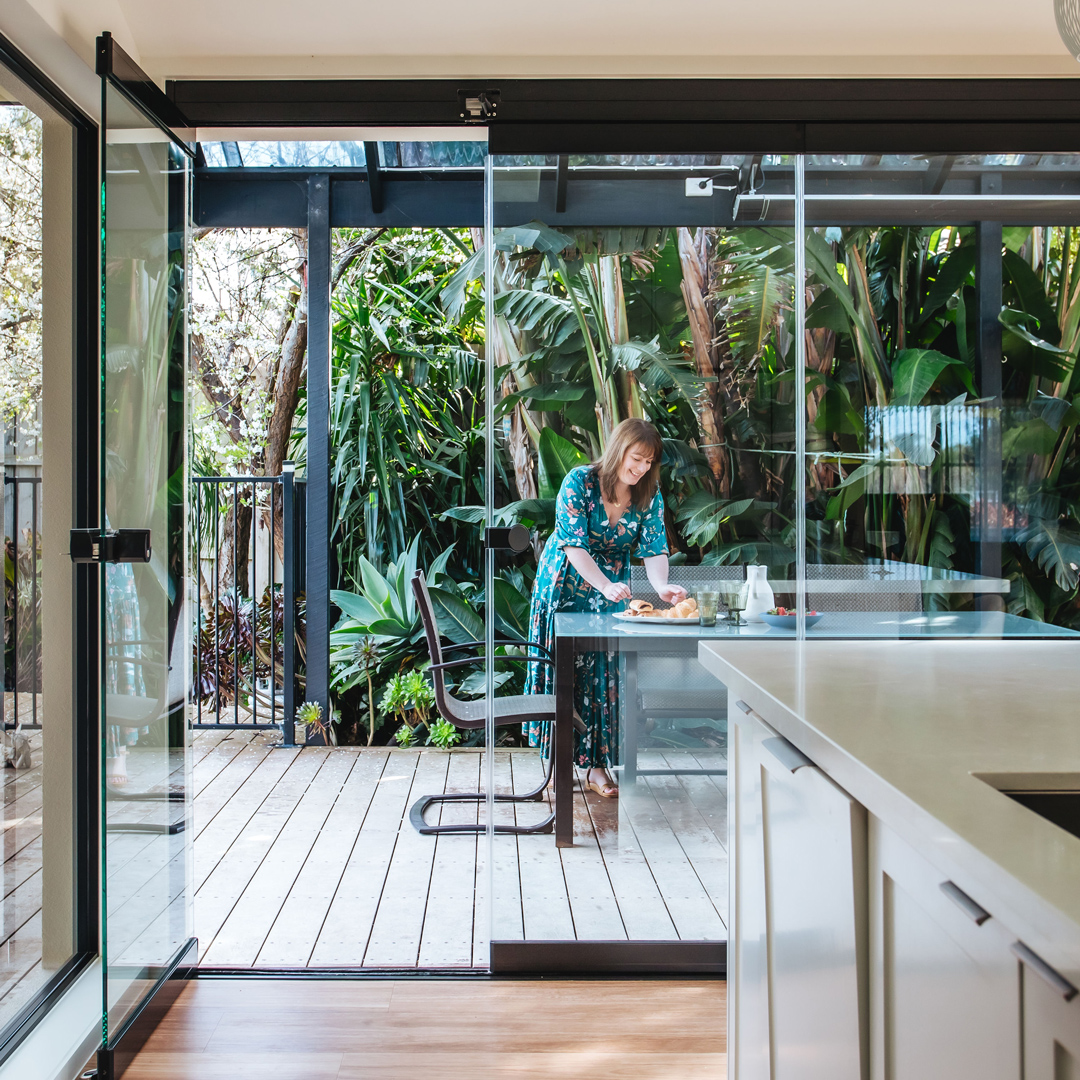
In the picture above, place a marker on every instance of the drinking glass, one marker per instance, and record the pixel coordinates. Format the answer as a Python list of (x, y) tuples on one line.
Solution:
[(707, 601), (734, 600)]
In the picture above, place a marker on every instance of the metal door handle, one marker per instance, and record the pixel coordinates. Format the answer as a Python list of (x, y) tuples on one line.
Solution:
[(974, 911), (1045, 972), (743, 706), (109, 546), (791, 757)]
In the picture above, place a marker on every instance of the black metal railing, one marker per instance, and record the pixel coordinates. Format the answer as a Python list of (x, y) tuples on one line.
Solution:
[(247, 638), (22, 602)]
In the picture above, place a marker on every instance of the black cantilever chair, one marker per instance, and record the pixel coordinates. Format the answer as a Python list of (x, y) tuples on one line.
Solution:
[(469, 715)]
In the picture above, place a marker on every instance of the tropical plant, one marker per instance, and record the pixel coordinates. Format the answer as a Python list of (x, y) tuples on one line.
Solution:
[(368, 656), (406, 404), (309, 715), (443, 734)]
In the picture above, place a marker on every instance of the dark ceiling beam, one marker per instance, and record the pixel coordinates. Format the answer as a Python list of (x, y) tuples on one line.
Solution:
[(228, 198), (673, 115)]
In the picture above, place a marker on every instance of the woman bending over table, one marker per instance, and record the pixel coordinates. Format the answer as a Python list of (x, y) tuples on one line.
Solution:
[(606, 514)]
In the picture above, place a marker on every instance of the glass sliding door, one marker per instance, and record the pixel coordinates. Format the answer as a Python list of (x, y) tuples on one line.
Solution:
[(43, 919), (146, 859), (939, 399), (642, 315)]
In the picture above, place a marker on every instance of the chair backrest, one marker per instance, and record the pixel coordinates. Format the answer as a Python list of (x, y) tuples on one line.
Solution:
[(690, 578), (445, 701)]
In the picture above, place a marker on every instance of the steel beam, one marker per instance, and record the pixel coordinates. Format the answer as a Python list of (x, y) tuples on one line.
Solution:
[(988, 507), (317, 583)]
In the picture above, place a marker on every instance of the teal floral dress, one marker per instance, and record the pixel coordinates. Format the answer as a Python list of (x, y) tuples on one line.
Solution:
[(581, 521)]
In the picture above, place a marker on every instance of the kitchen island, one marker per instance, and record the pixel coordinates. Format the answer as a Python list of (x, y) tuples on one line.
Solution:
[(894, 912)]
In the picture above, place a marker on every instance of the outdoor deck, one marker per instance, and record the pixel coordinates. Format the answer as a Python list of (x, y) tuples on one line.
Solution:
[(21, 973), (306, 858)]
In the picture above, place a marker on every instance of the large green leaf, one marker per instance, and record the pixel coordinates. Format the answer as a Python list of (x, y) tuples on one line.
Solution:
[(952, 273), (556, 458), (354, 606), (914, 372), (535, 235), (1055, 549), (1031, 295), (456, 619), (511, 609)]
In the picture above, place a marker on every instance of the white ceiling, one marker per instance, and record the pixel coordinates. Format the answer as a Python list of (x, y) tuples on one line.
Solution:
[(418, 38)]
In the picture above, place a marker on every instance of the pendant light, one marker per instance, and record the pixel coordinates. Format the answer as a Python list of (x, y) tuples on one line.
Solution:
[(1067, 14)]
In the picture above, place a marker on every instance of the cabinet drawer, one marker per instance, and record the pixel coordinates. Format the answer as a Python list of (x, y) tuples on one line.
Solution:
[(945, 984), (1051, 1030)]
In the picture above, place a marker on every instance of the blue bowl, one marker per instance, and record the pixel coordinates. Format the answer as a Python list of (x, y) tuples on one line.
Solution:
[(787, 622)]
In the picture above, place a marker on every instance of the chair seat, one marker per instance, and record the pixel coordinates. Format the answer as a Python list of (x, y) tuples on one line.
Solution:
[(685, 702), (513, 709)]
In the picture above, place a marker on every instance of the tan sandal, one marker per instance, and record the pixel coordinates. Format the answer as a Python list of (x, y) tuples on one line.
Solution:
[(606, 791)]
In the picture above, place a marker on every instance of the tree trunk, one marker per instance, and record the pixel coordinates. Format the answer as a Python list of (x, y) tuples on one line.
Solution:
[(234, 550), (693, 258)]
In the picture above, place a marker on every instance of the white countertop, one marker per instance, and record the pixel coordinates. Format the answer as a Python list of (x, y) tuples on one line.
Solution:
[(904, 726)]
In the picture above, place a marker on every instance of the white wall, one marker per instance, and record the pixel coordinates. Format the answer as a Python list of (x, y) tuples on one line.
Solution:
[(521, 38)]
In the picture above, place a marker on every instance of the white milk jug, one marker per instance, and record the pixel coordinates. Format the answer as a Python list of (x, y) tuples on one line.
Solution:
[(759, 594)]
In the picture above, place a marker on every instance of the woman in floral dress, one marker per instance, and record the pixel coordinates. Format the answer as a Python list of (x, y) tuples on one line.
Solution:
[(606, 514)]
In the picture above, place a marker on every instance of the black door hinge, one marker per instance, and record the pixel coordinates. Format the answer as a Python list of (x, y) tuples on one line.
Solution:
[(111, 546)]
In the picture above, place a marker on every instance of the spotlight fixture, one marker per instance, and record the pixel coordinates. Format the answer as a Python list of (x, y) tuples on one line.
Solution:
[(1067, 14)]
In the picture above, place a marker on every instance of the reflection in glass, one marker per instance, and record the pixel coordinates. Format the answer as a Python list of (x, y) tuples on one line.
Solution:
[(619, 295), (145, 762), (940, 345), (37, 901)]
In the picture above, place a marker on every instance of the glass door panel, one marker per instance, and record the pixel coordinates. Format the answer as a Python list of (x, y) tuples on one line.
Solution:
[(941, 354), (40, 910), (643, 349), (146, 859)]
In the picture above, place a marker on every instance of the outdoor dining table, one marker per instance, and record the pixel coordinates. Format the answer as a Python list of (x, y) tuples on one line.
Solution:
[(579, 633)]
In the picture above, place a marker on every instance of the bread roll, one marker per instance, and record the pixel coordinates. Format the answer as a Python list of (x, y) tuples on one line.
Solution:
[(640, 607)]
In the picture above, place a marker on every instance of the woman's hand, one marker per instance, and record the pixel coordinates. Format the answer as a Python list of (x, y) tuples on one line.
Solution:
[(616, 591), (672, 594)]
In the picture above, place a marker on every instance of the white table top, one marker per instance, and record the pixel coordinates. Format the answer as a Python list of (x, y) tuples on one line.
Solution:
[(908, 727)]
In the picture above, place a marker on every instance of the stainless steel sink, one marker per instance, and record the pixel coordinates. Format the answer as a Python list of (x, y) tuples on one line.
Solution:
[(1060, 807), (1053, 796)]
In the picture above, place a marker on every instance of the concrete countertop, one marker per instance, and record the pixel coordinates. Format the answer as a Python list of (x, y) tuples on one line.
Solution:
[(908, 727)]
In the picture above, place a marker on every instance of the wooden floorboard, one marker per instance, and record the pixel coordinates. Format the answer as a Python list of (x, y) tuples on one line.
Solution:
[(308, 858), (356, 1030)]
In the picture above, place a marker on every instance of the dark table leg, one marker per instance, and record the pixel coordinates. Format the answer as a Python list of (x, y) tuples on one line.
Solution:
[(630, 717), (564, 742)]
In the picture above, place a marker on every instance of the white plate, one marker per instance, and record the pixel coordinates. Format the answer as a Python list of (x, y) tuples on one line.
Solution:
[(627, 617)]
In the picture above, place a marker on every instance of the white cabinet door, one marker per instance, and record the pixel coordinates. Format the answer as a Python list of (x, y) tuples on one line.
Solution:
[(1051, 1028), (815, 873), (945, 986), (748, 960)]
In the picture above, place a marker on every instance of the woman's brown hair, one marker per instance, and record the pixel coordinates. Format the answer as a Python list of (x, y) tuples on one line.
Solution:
[(630, 433)]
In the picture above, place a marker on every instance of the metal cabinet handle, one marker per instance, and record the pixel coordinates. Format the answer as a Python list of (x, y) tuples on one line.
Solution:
[(1045, 972), (742, 705), (788, 755), (974, 911)]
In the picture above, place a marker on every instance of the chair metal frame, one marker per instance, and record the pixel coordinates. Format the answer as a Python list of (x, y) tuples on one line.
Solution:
[(465, 715)]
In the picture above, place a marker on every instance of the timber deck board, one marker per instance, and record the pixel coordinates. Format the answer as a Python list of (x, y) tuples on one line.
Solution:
[(306, 858)]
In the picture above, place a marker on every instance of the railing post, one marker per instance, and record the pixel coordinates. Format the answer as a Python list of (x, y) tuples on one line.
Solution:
[(288, 590)]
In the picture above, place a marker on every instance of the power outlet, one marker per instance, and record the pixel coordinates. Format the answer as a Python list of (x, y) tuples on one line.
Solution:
[(698, 187)]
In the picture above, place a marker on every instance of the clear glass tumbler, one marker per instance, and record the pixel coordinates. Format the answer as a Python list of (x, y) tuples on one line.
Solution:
[(734, 600), (707, 602)]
